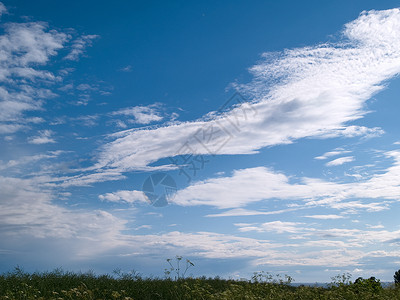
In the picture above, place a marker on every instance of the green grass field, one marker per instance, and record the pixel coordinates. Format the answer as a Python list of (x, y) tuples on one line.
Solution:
[(66, 285)]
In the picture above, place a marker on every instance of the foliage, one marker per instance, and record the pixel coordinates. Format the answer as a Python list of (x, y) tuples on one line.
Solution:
[(341, 279), (371, 284), (267, 277), (396, 277), (175, 267), (60, 285)]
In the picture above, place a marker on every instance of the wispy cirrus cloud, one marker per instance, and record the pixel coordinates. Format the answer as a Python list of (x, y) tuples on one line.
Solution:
[(122, 118), (275, 226), (353, 237), (25, 46), (335, 152), (310, 92), (3, 9), (325, 217), (340, 161), (23, 161), (79, 45), (44, 137), (236, 212), (127, 68), (124, 196), (141, 114), (26, 49)]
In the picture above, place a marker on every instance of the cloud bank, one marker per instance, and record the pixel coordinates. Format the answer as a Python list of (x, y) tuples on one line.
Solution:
[(251, 185)]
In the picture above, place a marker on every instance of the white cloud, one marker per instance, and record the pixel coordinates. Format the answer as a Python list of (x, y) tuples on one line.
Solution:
[(335, 152), (90, 120), (29, 220), (353, 131), (247, 212), (25, 44), (87, 179), (79, 45), (44, 137), (26, 160), (26, 203), (350, 238), (3, 9), (22, 47), (380, 226), (124, 196), (332, 258), (243, 187), (340, 161), (35, 120), (325, 217), (128, 68), (10, 128), (312, 92), (141, 114), (264, 252), (203, 244), (86, 87), (275, 226), (249, 185), (25, 50)]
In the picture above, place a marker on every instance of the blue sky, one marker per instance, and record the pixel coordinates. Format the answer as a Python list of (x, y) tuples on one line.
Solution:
[(269, 130)]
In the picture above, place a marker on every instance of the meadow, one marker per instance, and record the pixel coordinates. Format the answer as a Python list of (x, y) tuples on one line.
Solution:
[(59, 285)]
